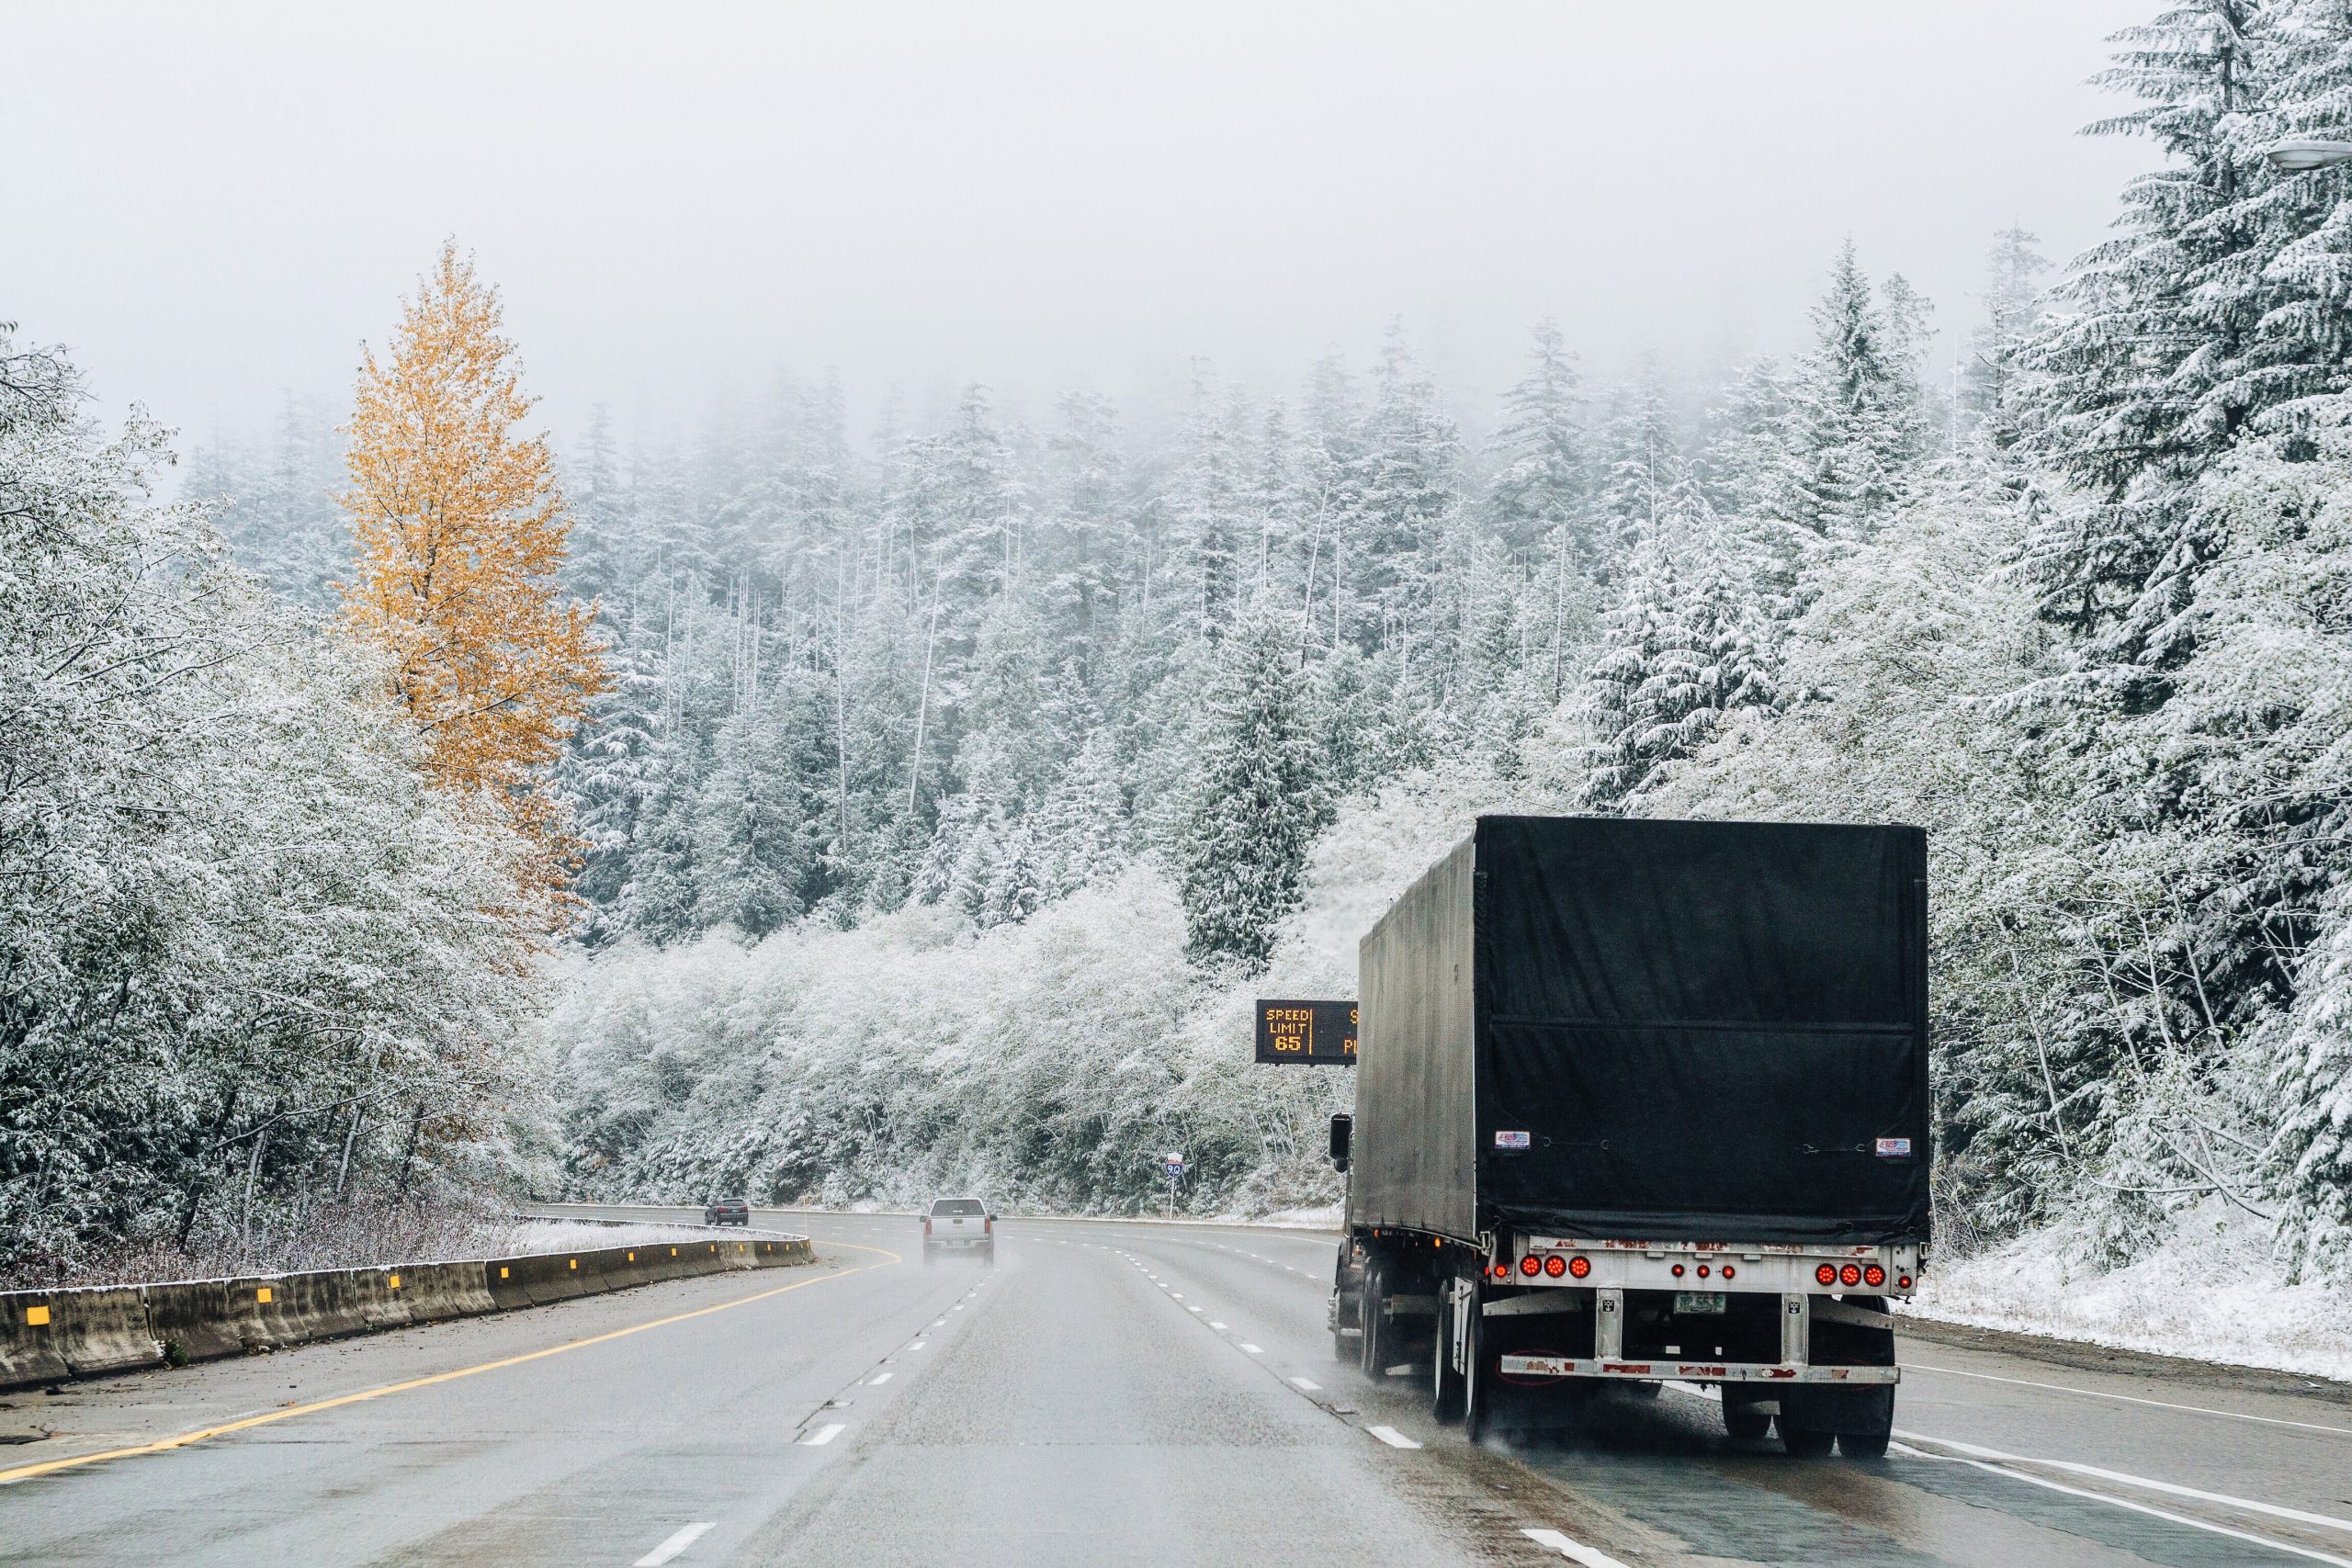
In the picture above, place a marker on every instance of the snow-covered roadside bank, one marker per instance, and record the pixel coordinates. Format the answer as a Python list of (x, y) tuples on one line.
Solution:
[(2210, 1293)]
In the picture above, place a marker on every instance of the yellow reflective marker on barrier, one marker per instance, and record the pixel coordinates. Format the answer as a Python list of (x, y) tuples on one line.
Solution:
[(396, 1282), (501, 1270), (37, 1317), (264, 1296), (673, 1252), (575, 1263), (181, 1440), (632, 1257)]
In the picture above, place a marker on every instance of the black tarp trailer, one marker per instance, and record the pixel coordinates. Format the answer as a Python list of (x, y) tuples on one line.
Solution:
[(1639, 1100)]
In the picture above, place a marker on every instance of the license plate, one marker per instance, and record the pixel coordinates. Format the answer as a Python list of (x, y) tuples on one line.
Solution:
[(1700, 1301)]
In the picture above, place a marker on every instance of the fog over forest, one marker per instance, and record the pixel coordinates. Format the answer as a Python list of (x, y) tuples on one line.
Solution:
[(1077, 522)]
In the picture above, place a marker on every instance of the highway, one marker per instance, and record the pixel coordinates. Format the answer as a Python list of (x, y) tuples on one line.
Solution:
[(1110, 1394)]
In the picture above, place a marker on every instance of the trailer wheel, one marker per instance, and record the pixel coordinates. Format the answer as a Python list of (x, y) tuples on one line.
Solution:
[(1478, 1384), (1803, 1442), (1371, 1352), (1447, 1386), (1742, 1421)]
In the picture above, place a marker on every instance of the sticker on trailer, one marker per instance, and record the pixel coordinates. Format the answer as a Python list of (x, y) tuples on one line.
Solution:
[(1512, 1140), (1894, 1148)]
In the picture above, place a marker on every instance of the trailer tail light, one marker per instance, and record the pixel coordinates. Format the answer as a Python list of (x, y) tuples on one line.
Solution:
[(1676, 1271), (1529, 1265), (1825, 1275), (1501, 1270), (1903, 1282), (1555, 1266), (1702, 1271), (1580, 1266), (1729, 1271), (1874, 1276), (1850, 1275)]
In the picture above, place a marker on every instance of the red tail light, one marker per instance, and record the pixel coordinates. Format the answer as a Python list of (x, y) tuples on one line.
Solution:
[(926, 1225), (1529, 1265), (1580, 1266), (1850, 1275), (1874, 1276), (1676, 1271), (1702, 1271), (1825, 1275), (1501, 1270), (1904, 1282), (988, 1225), (1729, 1271), (1555, 1266)]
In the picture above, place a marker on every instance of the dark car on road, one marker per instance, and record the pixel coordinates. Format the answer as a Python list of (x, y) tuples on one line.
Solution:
[(959, 1224), (726, 1211)]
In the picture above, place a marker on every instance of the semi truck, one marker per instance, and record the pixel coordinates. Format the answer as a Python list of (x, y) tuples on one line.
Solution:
[(1642, 1101)]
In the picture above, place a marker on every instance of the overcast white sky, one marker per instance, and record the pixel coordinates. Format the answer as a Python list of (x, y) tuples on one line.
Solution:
[(209, 203)]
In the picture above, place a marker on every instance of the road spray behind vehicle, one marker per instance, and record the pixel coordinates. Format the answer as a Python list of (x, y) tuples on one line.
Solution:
[(1640, 1101)]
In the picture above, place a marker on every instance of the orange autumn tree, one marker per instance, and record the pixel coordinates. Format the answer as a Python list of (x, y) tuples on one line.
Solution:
[(460, 532)]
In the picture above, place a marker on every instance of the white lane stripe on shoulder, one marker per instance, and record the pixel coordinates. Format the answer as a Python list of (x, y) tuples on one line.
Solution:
[(2146, 1484), (879, 1378), (2130, 1399), (1392, 1437), (1250, 1350), (673, 1545), (2126, 1502), (1574, 1551), (823, 1434), (1309, 1386)]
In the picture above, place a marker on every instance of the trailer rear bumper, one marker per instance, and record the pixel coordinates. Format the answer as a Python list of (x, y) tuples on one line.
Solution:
[(1694, 1372)]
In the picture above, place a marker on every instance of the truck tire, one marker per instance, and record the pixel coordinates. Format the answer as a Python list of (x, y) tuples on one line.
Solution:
[(1803, 1442), (1478, 1382), (1868, 1437), (1742, 1421), (1371, 1352), (1446, 1385)]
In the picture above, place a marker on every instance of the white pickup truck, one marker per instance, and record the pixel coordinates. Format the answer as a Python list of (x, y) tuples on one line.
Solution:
[(958, 1224)]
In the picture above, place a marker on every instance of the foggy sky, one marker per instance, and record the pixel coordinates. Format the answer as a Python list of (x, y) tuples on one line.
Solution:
[(211, 203)]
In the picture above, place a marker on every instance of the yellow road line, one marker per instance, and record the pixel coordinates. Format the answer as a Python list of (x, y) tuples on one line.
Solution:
[(182, 1439)]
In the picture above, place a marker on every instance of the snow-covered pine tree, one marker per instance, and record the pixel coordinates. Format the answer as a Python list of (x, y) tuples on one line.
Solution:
[(1856, 412), (1682, 647), (1535, 499), (1254, 799), (1990, 394), (2140, 383)]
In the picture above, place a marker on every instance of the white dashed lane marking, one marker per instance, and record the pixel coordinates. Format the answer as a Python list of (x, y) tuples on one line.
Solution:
[(1392, 1437), (673, 1545), (1574, 1551), (823, 1434)]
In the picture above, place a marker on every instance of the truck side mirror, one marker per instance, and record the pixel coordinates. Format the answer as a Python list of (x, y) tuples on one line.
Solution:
[(1342, 1131)]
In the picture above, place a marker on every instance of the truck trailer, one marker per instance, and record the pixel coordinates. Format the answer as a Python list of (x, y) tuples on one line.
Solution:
[(1639, 1101)]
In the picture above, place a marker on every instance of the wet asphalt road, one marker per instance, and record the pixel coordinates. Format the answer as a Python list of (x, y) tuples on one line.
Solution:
[(1116, 1393)]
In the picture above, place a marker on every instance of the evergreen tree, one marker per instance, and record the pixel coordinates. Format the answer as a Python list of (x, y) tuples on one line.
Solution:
[(1856, 422), (1535, 499), (1255, 799), (1990, 392)]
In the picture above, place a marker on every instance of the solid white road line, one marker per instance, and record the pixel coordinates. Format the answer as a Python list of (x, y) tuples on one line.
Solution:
[(1392, 1437), (1309, 1387), (2171, 1489), (674, 1545), (2126, 1502), (2130, 1399), (823, 1434), (1574, 1551), (879, 1378)]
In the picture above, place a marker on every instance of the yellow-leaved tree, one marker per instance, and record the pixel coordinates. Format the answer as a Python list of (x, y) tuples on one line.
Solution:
[(461, 531)]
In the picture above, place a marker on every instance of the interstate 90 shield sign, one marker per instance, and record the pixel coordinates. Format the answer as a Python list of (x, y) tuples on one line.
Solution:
[(1313, 1032)]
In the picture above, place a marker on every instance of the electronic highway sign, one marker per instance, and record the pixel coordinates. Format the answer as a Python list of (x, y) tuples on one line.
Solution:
[(1317, 1034)]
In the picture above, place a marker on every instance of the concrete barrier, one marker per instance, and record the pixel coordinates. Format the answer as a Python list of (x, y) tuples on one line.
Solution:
[(48, 1336), (104, 1329), (28, 1352), (195, 1320)]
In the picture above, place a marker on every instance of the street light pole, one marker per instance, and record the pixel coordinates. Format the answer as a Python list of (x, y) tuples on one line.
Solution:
[(2306, 153)]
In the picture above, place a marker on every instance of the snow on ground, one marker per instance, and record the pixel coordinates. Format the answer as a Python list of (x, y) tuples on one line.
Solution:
[(2210, 1292)]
